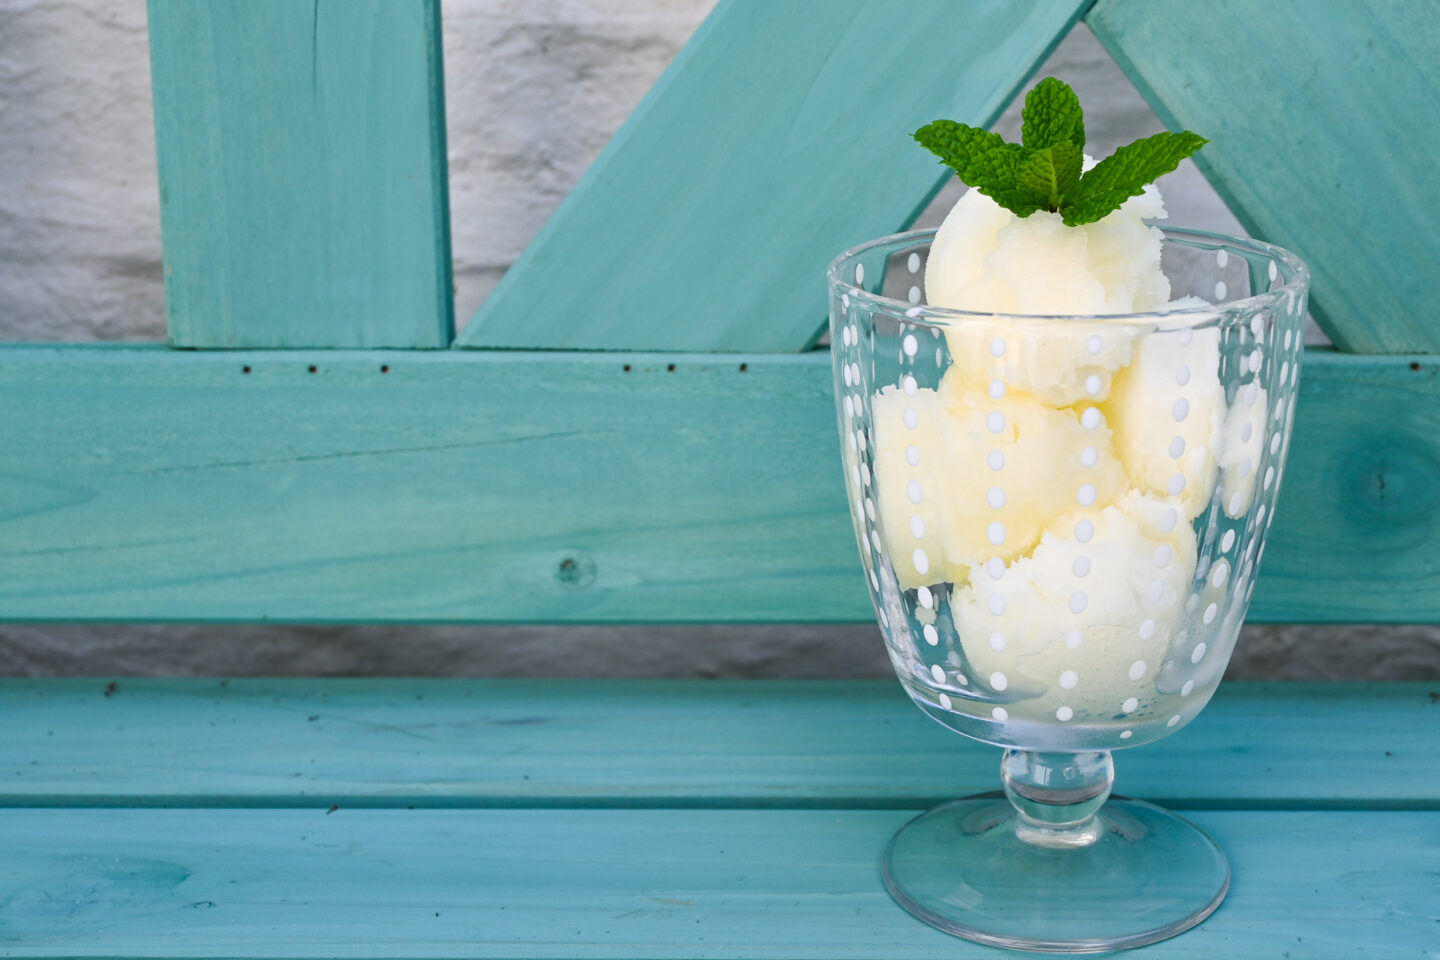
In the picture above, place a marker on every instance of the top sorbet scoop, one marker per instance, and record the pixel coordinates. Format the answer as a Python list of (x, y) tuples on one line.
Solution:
[(1073, 458)]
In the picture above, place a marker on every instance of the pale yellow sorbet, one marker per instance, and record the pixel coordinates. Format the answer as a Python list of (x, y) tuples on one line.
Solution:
[(986, 259), (965, 477), (912, 468), (1168, 409), (1243, 437), (1055, 475), (1085, 621)]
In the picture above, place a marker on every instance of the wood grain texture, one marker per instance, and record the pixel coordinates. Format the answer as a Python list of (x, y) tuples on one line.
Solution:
[(301, 146), (779, 136), (1322, 122), (309, 744), (512, 486), (638, 883)]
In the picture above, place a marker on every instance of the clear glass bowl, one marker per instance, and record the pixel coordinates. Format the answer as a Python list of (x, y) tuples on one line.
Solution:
[(1060, 520)]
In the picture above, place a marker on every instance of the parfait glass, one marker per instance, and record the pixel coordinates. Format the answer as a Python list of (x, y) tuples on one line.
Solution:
[(1060, 520)]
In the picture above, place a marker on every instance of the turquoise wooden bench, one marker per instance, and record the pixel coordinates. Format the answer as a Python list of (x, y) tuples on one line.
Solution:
[(314, 444)]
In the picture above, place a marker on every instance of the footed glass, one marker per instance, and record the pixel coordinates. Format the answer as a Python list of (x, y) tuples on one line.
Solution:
[(1060, 520)]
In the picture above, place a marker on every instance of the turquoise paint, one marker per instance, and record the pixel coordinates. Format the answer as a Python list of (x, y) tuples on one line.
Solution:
[(599, 884), (779, 136), (301, 148), (143, 484), (1322, 122), (467, 743), (391, 486), (264, 850)]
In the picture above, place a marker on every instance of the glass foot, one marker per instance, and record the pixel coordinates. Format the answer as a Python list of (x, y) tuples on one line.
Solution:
[(1134, 874)]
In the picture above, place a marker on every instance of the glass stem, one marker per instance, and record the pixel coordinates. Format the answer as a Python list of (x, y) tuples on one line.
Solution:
[(1057, 795)]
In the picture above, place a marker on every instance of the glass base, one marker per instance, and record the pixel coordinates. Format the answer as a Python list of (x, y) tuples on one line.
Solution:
[(1133, 875)]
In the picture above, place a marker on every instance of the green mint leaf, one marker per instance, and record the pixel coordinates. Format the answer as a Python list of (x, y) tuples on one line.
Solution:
[(1069, 161), (1044, 172), (1015, 197), (1003, 185), (1047, 174), (1124, 174), (1052, 115), (977, 156)]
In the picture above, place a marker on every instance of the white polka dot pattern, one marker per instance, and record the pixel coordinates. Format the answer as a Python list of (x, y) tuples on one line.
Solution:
[(1159, 600)]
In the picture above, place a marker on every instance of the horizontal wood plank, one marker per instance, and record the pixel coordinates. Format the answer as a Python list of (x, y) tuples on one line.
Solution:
[(1314, 110), (641, 883), (301, 148), (778, 137), (522, 743), (146, 484)]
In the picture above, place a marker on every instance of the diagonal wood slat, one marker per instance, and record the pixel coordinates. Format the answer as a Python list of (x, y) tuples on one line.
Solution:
[(301, 146), (1322, 117), (779, 136), (442, 486), (610, 743)]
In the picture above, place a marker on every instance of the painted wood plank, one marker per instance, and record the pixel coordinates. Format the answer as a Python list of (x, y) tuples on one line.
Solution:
[(515, 486), (779, 136), (1322, 122), (638, 883), (757, 744), (301, 146)]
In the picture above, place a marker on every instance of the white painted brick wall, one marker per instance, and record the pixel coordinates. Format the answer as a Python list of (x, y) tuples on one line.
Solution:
[(534, 89)]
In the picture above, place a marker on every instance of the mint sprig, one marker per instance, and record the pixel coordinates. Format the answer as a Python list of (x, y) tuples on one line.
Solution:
[(1052, 113), (1043, 172)]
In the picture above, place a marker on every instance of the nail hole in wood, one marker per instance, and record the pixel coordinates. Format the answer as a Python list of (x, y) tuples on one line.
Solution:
[(671, 368), (244, 369), (1414, 365), (384, 368), (744, 367), (312, 368), (627, 368)]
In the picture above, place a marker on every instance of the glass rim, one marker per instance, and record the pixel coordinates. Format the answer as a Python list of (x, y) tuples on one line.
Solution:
[(1295, 282)]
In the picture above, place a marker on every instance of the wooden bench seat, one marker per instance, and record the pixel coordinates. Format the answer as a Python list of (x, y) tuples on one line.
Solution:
[(636, 429), (493, 818)]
